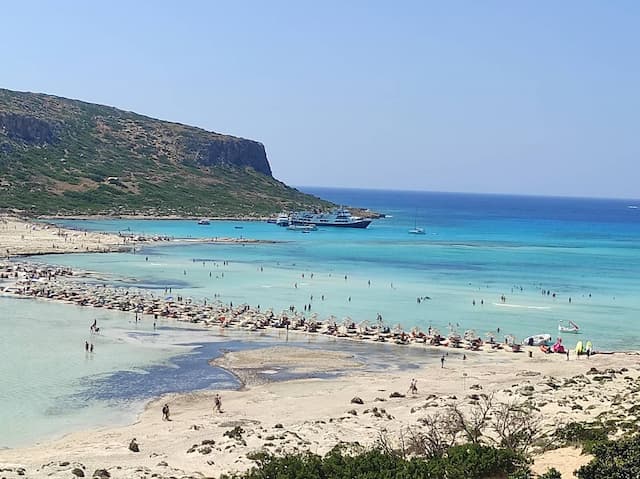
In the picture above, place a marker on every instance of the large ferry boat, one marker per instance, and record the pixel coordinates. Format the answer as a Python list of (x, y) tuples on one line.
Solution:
[(340, 217)]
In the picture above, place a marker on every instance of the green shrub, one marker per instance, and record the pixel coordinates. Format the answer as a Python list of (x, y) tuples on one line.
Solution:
[(614, 460), (552, 473), (460, 462), (585, 435)]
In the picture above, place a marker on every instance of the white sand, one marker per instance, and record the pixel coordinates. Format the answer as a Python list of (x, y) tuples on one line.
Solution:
[(22, 237), (314, 412)]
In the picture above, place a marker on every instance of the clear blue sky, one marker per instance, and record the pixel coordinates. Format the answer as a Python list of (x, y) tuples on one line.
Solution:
[(535, 97)]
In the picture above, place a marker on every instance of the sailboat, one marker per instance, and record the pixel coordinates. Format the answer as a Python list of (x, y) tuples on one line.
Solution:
[(416, 230)]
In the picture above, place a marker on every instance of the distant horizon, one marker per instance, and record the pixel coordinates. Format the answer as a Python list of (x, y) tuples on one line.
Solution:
[(471, 193)]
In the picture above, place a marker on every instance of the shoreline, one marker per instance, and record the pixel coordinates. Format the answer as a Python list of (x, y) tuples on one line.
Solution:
[(24, 238), (316, 413), (325, 411)]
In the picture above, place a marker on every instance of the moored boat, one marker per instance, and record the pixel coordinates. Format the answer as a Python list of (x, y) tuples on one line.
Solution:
[(571, 328), (340, 217), (283, 219), (303, 228), (203, 221)]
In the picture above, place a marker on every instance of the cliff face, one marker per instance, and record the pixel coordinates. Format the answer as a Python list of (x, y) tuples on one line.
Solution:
[(28, 129), (228, 151), (61, 155)]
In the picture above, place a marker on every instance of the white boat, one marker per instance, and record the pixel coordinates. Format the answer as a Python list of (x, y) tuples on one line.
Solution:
[(537, 340), (572, 328), (283, 219), (303, 228), (203, 221), (416, 230), (340, 217)]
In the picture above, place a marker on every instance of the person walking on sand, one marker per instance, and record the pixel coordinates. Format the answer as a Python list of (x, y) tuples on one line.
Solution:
[(442, 361), (165, 413), (217, 403), (413, 387)]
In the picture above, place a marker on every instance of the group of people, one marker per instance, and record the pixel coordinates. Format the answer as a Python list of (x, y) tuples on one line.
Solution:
[(413, 387), (217, 407)]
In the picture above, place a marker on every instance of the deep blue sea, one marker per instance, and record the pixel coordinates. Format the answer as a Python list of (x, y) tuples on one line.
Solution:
[(477, 249)]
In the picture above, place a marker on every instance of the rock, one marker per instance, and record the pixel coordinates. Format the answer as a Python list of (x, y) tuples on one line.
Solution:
[(28, 129), (593, 371), (396, 394), (235, 433), (163, 464), (101, 473), (204, 450), (353, 412), (357, 400), (133, 445), (76, 471), (278, 426), (63, 463)]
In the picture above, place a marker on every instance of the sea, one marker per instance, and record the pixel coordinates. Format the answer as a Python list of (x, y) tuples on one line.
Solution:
[(496, 264)]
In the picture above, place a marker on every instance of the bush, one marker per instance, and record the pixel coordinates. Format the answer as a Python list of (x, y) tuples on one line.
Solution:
[(586, 435), (459, 462), (552, 473), (614, 460)]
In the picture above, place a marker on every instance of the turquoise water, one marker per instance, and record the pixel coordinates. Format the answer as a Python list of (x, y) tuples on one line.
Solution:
[(477, 248)]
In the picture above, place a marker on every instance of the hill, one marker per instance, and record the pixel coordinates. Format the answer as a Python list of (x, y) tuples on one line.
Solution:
[(62, 156)]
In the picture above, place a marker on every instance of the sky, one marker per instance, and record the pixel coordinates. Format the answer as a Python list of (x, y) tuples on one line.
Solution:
[(525, 97)]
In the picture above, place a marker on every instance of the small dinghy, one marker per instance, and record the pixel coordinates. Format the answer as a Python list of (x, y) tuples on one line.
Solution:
[(571, 328)]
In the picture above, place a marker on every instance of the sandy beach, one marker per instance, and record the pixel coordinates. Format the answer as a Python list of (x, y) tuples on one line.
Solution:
[(20, 237), (315, 414)]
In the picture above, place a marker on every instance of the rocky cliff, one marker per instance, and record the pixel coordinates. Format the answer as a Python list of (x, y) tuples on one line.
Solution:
[(66, 156)]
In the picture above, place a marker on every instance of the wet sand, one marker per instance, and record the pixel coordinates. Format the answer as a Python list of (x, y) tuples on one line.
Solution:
[(315, 414)]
